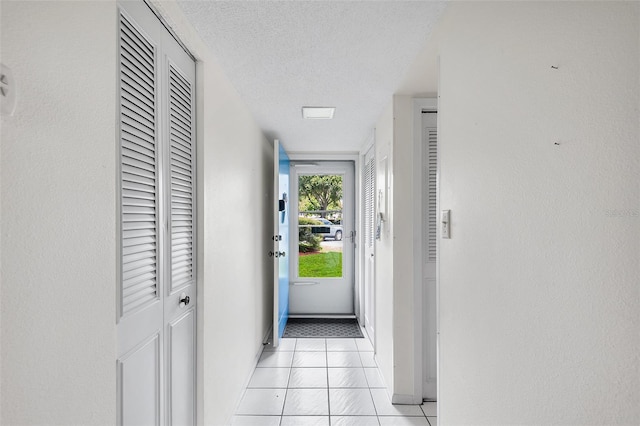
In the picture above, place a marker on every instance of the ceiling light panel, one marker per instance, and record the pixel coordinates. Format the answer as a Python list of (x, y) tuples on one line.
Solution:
[(318, 113)]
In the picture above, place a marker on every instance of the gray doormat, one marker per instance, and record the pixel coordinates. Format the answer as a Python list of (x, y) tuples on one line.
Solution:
[(322, 327)]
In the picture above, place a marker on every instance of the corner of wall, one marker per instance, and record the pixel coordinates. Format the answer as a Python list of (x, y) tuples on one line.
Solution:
[(403, 250)]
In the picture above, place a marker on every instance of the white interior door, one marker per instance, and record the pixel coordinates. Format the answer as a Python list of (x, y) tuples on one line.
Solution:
[(179, 189), (369, 200), (322, 206), (429, 252), (156, 365)]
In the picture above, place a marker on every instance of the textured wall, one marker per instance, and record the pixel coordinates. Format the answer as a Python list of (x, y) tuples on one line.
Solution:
[(539, 284), (59, 215)]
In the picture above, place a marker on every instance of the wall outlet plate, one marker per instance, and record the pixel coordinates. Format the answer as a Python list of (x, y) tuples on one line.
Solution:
[(7, 90)]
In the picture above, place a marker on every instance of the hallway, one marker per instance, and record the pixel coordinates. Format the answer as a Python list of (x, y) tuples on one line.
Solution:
[(537, 173), (323, 382)]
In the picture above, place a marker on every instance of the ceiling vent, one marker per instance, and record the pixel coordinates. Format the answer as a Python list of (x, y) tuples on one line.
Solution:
[(318, 113)]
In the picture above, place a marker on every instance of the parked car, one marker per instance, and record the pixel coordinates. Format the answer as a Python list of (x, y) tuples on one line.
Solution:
[(329, 230)]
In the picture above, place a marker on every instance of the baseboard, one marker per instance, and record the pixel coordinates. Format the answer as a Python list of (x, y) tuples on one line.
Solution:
[(401, 399), (266, 337)]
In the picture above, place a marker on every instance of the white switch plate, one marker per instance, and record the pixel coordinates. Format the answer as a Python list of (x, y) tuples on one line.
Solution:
[(7, 90), (445, 219)]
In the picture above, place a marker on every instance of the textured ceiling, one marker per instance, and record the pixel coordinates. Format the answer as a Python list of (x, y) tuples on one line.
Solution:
[(282, 55)]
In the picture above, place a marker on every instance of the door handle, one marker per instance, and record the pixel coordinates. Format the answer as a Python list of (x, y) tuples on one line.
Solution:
[(184, 300)]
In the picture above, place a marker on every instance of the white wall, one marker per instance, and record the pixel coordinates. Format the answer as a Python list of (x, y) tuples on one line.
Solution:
[(395, 326), (235, 175), (403, 271), (59, 215), (539, 293)]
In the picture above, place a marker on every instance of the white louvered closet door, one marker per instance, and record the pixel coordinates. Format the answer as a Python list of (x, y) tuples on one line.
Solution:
[(156, 292), (369, 194), (429, 249)]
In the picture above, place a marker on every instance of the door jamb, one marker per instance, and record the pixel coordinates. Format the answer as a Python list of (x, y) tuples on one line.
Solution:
[(419, 105)]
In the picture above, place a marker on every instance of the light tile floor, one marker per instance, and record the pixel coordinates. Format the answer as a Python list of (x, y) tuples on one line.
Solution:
[(323, 382)]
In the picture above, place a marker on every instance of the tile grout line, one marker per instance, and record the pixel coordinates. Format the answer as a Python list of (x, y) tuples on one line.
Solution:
[(326, 357), (369, 387), (286, 392)]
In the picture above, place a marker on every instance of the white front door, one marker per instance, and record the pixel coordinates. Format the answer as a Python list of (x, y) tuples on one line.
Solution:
[(280, 252), (322, 269), (156, 324), (369, 198)]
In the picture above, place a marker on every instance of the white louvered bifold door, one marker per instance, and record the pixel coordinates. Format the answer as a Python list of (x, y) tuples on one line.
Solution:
[(429, 248), (156, 289), (180, 316), (369, 201)]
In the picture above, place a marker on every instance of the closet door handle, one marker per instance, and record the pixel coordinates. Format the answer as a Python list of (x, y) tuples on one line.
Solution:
[(184, 300)]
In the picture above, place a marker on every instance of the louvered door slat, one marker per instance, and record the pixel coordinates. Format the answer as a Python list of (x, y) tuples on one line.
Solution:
[(182, 140), (130, 269), (134, 135), (182, 98), (129, 151), (135, 109), (181, 184), (181, 118), (181, 90), (184, 165), (135, 171), (181, 158), (141, 100), (182, 144), (138, 179), (135, 64), (181, 176), (137, 42), (148, 269), (139, 282), (135, 88), (181, 136)]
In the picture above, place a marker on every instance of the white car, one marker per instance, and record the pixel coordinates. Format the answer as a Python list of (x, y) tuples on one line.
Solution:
[(330, 230)]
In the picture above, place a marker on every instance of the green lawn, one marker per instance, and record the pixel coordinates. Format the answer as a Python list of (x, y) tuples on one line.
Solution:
[(320, 265)]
